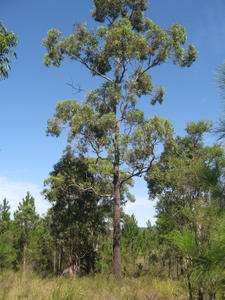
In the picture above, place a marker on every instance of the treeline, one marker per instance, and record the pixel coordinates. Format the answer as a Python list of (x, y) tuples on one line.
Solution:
[(71, 241), (75, 237)]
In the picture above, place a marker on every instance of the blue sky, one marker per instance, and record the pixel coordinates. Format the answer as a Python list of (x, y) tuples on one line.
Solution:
[(28, 97)]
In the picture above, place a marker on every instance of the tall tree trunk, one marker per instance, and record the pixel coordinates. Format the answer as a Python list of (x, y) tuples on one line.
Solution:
[(116, 210)]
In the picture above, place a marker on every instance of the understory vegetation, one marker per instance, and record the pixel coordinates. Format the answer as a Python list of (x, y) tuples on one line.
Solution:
[(15, 286)]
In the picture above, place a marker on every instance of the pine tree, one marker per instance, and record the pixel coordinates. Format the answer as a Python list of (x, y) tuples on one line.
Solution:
[(189, 184), (7, 251), (25, 221)]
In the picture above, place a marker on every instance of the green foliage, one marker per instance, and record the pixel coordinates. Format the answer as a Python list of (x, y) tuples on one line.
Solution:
[(205, 257), (125, 37), (120, 38), (41, 247), (188, 164), (189, 183), (4, 213), (7, 251), (8, 41), (25, 222), (77, 214), (130, 244), (104, 255), (25, 215), (112, 10)]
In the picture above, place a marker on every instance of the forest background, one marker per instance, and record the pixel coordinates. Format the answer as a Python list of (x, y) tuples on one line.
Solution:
[(191, 94)]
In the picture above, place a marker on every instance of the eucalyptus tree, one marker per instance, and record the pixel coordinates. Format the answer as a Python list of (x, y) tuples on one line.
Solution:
[(121, 52), (8, 41)]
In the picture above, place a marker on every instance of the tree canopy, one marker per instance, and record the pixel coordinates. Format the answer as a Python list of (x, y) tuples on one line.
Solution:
[(8, 41)]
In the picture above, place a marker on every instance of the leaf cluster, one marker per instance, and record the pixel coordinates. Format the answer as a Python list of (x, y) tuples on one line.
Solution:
[(8, 41)]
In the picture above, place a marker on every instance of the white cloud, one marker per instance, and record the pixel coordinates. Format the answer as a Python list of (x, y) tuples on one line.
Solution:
[(14, 191), (143, 209)]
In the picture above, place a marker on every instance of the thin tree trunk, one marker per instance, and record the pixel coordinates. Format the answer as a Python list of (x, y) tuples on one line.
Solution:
[(116, 210), (59, 261), (54, 260)]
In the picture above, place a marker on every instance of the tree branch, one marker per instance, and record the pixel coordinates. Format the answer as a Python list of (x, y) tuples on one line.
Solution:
[(123, 72), (155, 63), (88, 189), (81, 60), (138, 173)]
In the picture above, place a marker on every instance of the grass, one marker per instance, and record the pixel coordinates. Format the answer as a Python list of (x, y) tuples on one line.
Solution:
[(15, 286)]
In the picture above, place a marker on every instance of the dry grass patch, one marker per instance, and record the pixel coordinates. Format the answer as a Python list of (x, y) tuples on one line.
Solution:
[(15, 286)]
